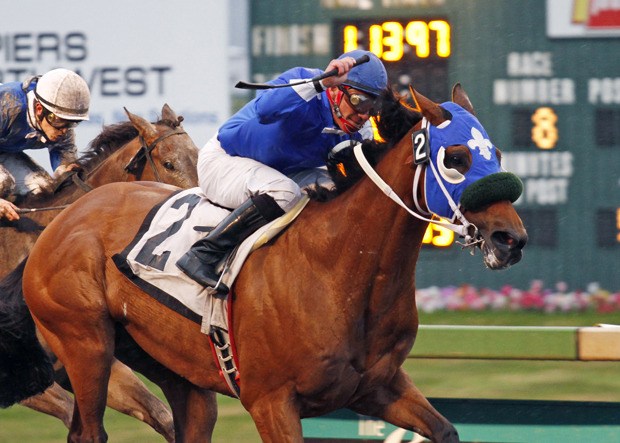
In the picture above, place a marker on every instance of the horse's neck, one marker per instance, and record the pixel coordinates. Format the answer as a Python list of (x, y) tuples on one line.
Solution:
[(378, 238), (109, 170), (402, 233), (112, 168)]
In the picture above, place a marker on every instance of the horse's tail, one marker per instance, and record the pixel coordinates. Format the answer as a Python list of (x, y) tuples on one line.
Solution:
[(25, 368)]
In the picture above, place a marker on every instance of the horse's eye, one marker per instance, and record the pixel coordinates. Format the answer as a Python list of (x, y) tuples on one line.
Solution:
[(458, 158), (454, 161), (169, 166)]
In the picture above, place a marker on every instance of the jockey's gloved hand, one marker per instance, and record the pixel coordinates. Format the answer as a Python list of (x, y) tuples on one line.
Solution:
[(341, 159), (63, 170), (342, 165), (321, 190), (341, 156)]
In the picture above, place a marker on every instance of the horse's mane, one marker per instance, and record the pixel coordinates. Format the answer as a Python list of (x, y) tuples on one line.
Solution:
[(396, 117), (111, 138), (393, 122)]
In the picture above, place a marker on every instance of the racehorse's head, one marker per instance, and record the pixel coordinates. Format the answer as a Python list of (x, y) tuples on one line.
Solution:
[(167, 154), (464, 180)]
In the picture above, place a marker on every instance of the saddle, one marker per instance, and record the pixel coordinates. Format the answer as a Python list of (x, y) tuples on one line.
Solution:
[(166, 233)]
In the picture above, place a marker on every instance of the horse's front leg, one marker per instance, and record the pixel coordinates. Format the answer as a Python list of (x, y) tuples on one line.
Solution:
[(276, 417), (402, 404)]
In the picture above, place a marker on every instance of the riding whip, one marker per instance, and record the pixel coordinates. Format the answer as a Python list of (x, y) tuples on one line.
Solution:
[(243, 85), (49, 208)]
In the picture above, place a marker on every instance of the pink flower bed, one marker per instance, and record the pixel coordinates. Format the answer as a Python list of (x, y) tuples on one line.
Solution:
[(536, 298)]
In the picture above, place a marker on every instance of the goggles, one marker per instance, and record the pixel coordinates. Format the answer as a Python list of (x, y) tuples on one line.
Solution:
[(60, 123), (361, 103)]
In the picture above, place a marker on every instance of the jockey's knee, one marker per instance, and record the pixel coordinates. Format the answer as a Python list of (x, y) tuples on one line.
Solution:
[(286, 196), (29, 177), (7, 183), (38, 182)]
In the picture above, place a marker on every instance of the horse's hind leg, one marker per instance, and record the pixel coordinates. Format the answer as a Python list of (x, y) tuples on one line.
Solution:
[(403, 405), (127, 394), (88, 364), (54, 401)]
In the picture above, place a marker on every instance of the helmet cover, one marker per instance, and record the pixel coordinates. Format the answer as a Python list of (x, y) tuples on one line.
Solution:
[(64, 93), (369, 77)]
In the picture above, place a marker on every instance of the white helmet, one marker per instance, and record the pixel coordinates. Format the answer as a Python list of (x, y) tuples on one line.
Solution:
[(64, 93)]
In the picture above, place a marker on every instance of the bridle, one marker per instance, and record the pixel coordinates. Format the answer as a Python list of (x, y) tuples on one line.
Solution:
[(135, 167), (466, 229), (143, 155)]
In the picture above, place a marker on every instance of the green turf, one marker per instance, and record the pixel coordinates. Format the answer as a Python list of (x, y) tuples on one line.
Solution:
[(596, 381)]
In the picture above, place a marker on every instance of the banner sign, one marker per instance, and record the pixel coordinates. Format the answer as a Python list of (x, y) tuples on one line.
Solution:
[(131, 54)]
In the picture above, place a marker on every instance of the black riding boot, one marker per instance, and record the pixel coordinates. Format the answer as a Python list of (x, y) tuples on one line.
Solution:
[(200, 262)]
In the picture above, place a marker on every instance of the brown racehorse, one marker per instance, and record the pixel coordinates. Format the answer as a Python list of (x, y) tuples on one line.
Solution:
[(128, 151), (173, 161), (323, 316)]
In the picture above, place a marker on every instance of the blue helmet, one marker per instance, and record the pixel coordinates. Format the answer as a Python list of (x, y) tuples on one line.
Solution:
[(369, 77)]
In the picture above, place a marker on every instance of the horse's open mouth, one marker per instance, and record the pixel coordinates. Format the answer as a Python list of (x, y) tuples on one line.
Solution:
[(496, 259)]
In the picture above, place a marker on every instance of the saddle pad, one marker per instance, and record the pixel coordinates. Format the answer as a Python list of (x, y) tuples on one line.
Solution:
[(167, 233)]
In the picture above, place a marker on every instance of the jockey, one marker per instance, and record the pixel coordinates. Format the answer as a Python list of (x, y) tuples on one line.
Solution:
[(38, 113), (277, 145)]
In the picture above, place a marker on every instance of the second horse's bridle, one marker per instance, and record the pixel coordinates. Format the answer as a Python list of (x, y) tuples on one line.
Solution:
[(136, 164), (135, 167)]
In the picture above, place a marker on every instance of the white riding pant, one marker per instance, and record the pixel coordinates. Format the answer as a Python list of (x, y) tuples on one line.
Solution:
[(229, 180), (20, 175)]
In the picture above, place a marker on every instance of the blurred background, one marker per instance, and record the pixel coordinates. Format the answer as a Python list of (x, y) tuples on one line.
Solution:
[(543, 76)]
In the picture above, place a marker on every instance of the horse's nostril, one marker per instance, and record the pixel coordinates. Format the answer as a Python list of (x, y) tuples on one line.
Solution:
[(504, 240)]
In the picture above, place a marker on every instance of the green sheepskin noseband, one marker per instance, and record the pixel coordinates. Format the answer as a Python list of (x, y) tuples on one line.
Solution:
[(490, 189)]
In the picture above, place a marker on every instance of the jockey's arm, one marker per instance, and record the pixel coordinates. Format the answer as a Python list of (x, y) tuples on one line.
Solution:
[(278, 103), (63, 156), (275, 104), (62, 169)]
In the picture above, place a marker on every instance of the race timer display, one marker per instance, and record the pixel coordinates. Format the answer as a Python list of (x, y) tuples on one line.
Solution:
[(414, 50)]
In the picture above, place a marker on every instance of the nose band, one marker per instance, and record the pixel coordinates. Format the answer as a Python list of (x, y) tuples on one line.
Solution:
[(491, 189)]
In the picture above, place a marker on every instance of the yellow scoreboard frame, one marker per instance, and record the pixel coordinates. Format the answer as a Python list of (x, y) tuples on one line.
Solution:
[(415, 50)]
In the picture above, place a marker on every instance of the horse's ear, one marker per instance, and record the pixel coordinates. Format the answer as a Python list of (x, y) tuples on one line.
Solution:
[(428, 108), (144, 127), (460, 97), (168, 114)]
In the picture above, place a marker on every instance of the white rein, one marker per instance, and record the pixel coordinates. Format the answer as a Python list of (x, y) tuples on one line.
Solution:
[(462, 229)]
